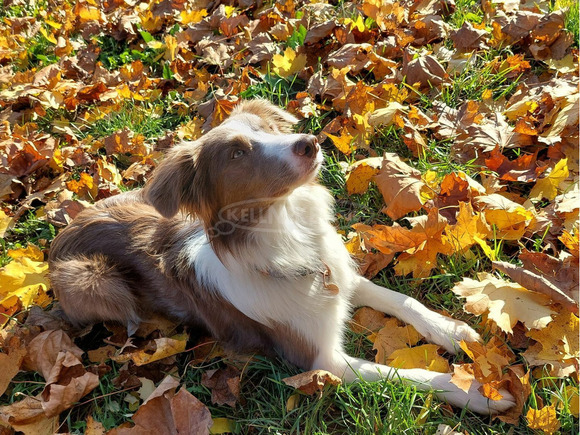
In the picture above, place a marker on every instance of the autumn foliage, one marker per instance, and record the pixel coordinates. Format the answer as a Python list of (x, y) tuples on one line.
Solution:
[(462, 125)]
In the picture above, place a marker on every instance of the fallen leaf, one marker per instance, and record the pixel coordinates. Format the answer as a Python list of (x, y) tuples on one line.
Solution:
[(224, 385), (419, 357), (543, 419), (313, 381), (547, 187), (463, 376), (504, 302), (392, 337), (360, 174), (366, 319), (400, 186), (289, 63)]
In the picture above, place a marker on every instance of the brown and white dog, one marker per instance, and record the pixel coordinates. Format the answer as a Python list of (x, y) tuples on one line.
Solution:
[(234, 233)]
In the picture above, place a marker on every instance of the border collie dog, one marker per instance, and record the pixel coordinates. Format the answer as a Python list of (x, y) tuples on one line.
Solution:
[(233, 232)]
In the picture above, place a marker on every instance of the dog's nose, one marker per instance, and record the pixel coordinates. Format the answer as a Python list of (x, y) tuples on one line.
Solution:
[(307, 146)]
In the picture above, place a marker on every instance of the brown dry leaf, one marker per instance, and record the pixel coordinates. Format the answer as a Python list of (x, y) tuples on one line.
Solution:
[(366, 319), (420, 357), (504, 302), (469, 38), (392, 337), (224, 385), (424, 70), (27, 416), (543, 419), (168, 413), (389, 239), (10, 361), (536, 283), (45, 348), (400, 185), (370, 263), (313, 381), (94, 427)]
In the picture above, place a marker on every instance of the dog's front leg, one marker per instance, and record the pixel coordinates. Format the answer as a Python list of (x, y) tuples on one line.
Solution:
[(352, 369), (444, 331)]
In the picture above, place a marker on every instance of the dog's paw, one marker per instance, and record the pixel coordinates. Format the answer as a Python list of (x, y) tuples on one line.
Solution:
[(448, 332), (473, 399)]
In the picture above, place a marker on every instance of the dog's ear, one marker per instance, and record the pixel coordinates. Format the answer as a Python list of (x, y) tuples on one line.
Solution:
[(282, 119), (172, 182)]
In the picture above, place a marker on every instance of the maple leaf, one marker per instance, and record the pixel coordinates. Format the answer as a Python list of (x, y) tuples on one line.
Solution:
[(556, 342), (422, 259), (312, 382), (469, 229), (504, 302), (392, 337), (509, 218), (400, 185), (25, 277), (366, 319), (289, 63), (544, 419), (224, 385), (419, 357), (361, 173), (547, 187)]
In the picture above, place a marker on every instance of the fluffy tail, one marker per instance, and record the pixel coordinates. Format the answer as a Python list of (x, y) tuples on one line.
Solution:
[(93, 289)]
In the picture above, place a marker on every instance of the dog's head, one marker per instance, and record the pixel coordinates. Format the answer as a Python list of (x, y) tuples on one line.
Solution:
[(251, 158)]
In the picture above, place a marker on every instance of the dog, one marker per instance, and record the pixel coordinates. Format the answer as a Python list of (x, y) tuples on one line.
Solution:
[(234, 233)]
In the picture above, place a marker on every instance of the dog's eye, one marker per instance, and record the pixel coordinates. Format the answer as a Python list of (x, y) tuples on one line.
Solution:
[(236, 154)]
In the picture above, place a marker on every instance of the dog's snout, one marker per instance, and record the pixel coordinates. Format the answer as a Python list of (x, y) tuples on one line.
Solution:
[(307, 146)]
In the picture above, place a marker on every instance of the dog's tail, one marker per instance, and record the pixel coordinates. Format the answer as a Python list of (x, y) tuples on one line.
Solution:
[(92, 289)]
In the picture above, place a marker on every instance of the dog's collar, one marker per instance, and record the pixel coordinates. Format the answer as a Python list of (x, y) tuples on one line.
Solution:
[(324, 270)]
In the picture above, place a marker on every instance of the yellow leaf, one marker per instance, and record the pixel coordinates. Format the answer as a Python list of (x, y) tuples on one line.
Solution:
[(49, 36), (361, 173), (171, 47), (420, 357), (191, 130), (358, 23), (229, 10), (222, 425), (289, 63), (547, 187), (571, 241), (165, 347), (6, 222), (109, 171), (53, 24), (470, 226), (509, 218), (504, 302), (25, 277), (386, 115), (571, 398), (192, 17), (543, 419), (342, 143), (87, 13), (393, 337), (559, 340)]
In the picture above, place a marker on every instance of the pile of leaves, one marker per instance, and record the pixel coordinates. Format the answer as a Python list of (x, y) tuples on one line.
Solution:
[(452, 138)]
